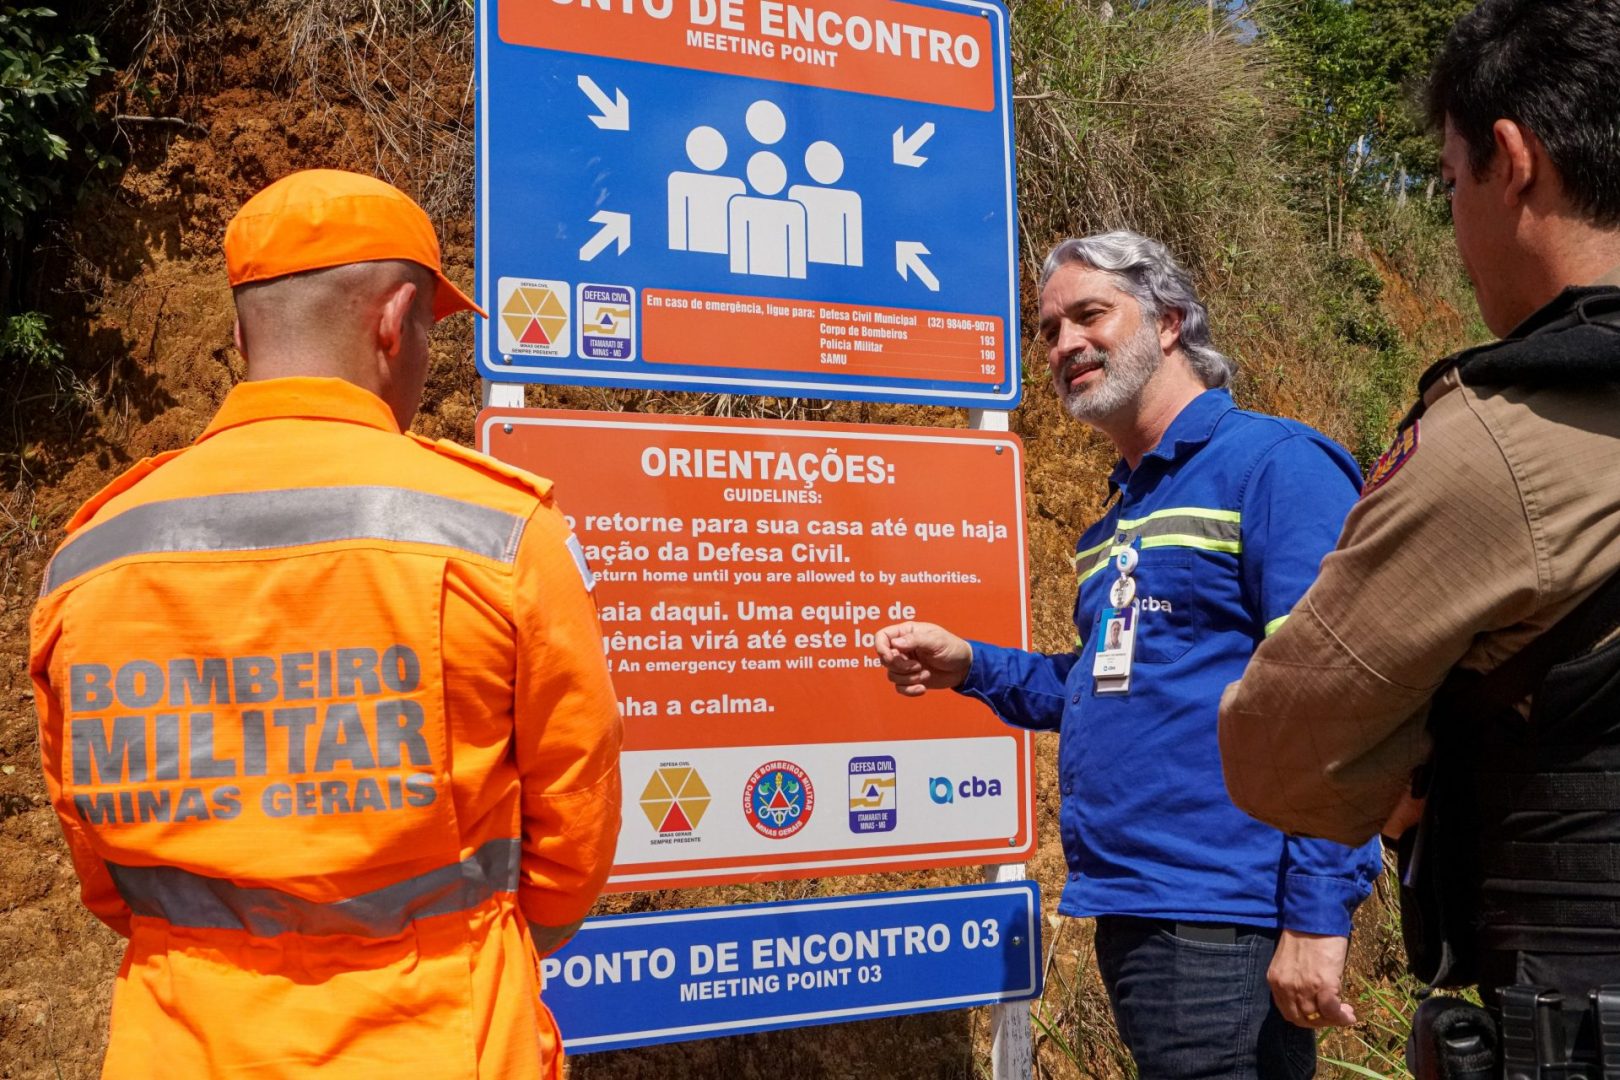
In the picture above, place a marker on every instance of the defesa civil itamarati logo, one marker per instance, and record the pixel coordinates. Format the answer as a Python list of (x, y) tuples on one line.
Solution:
[(778, 799)]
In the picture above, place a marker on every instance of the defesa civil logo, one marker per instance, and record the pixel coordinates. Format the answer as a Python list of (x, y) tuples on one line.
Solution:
[(779, 799), (675, 800), (533, 317), (872, 801), (942, 789)]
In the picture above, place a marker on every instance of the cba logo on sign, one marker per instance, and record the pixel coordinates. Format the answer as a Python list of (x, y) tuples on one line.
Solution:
[(942, 789), (675, 800), (534, 318), (778, 799)]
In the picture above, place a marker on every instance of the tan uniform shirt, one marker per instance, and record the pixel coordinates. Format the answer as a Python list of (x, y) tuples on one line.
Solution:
[(1504, 517)]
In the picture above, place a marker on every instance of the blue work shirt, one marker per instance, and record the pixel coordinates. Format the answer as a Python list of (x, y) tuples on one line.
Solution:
[(1231, 515)]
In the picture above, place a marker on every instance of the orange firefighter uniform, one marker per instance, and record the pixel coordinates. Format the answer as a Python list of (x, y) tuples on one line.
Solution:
[(325, 717)]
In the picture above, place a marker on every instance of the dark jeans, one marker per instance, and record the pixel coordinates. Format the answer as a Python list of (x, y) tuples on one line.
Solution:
[(1198, 1009)]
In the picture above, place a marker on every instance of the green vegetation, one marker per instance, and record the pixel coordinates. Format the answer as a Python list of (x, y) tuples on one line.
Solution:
[(1267, 154), (1353, 73), (25, 340), (45, 75)]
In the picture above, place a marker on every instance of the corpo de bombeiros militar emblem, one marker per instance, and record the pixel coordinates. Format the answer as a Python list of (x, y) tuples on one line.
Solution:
[(778, 799)]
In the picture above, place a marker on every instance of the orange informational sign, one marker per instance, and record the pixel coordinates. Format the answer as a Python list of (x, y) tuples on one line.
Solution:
[(743, 569), (844, 339), (882, 47)]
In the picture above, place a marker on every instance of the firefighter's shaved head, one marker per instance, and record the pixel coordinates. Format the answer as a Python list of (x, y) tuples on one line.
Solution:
[(366, 323)]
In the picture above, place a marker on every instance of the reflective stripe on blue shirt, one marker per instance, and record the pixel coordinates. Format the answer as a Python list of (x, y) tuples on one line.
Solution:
[(1231, 514)]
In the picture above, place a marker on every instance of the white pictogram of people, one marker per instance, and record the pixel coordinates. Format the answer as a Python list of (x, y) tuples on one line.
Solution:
[(712, 213)]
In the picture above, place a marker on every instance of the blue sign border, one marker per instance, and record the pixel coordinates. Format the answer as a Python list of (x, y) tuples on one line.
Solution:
[(1022, 971), (755, 381)]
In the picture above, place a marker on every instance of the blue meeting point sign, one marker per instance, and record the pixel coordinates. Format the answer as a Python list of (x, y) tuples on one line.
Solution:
[(749, 196), (636, 980)]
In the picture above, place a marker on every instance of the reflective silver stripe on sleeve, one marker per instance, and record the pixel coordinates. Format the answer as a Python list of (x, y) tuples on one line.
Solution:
[(264, 520), (548, 939), (206, 903)]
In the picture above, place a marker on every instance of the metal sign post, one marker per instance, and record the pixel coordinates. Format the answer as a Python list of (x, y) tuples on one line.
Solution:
[(1012, 1050)]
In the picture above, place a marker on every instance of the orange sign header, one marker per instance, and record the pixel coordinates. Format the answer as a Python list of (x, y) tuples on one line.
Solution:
[(880, 47)]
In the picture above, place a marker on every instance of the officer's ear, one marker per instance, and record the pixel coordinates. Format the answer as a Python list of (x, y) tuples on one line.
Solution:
[(236, 333), (394, 317), (1519, 153)]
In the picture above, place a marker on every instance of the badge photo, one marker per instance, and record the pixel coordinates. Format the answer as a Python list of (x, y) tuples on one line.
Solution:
[(1116, 645)]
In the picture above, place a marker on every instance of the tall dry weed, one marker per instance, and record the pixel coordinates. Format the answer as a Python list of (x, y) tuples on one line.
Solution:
[(408, 64)]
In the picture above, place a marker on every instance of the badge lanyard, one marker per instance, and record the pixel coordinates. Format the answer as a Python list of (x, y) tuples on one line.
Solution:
[(1112, 665)]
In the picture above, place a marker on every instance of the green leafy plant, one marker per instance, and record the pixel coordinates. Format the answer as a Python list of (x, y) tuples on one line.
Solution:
[(45, 76), (25, 340)]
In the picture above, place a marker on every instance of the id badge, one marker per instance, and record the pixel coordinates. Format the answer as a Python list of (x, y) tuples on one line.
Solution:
[(1112, 665)]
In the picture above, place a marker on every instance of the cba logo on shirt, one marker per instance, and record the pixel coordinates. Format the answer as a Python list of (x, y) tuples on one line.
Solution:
[(942, 789)]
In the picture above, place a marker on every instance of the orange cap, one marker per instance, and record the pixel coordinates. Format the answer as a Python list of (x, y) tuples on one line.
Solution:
[(319, 218)]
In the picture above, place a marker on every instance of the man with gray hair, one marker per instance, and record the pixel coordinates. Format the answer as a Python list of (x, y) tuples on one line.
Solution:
[(1221, 941)]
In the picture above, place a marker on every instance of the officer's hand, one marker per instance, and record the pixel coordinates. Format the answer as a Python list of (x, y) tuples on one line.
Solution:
[(921, 656), (1408, 812), (1305, 974)]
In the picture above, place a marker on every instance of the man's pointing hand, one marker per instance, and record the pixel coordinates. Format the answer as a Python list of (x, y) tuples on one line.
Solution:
[(922, 656)]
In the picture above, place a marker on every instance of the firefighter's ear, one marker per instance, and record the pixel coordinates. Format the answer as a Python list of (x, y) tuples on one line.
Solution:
[(395, 318)]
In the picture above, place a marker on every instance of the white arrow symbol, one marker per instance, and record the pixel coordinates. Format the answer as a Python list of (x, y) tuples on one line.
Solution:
[(614, 227), (905, 150), (615, 111), (908, 257)]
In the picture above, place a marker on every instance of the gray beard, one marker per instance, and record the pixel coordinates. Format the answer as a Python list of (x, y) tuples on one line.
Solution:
[(1125, 372)]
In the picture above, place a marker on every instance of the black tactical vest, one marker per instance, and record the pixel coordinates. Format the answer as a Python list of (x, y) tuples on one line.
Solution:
[(1524, 814), (1547, 797)]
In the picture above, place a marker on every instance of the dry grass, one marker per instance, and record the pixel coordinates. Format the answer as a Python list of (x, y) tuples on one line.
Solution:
[(408, 64)]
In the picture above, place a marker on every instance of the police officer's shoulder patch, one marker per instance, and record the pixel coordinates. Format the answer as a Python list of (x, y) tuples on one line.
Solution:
[(1401, 449), (537, 484)]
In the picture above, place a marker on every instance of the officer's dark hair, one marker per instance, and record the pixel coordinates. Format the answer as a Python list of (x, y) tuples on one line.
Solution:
[(1552, 66)]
